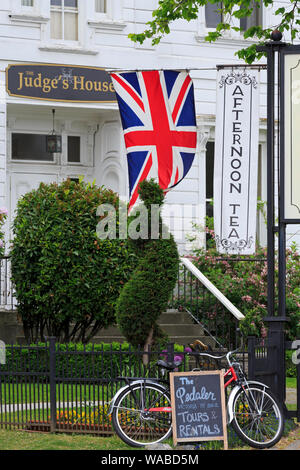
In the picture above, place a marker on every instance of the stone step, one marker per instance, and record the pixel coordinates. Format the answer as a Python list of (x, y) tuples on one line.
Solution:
[(177, 325), (175, 317), (181, 340), (182, 330)]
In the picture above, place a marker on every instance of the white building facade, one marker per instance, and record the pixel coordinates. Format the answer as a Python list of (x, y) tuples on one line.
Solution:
[(89, 34)]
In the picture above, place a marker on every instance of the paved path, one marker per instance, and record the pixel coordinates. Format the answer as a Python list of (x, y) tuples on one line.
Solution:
[(291, 396)]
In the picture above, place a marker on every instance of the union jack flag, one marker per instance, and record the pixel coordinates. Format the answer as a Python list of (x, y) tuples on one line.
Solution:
[(157, 111)]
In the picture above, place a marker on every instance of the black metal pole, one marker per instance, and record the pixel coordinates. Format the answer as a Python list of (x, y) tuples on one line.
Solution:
[(275, 320), (270, 48), (270, 179), (52, 382), (281, 195)]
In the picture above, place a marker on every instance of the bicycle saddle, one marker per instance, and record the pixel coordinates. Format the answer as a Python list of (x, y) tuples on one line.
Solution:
[(168, 365)]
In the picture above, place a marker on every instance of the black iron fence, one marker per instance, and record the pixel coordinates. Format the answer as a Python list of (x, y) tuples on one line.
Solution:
[(267, 358), (68, 388)]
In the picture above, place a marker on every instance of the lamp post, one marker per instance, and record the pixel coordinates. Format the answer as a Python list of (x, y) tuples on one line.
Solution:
[(276, 318)]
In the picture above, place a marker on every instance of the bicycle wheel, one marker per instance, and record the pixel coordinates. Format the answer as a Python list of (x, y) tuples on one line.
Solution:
[(142, 415), (258, 417)]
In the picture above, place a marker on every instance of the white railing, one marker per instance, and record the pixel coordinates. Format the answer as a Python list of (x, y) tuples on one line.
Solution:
[(213, 289)]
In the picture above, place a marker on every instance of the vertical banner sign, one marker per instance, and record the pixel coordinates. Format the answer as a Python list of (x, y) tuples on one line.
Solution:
[(290, 132), (236, 161)]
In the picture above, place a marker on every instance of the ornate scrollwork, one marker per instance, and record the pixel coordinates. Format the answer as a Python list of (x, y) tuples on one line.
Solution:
[(238, 77), (234, 246)]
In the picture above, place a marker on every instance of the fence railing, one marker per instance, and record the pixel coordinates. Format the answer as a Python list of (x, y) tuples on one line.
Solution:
[(68, 388), (207, 306), (65, 388), (265, 363)]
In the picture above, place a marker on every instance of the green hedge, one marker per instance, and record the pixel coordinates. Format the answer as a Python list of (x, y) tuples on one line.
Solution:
[(94, 361), (66, 279)]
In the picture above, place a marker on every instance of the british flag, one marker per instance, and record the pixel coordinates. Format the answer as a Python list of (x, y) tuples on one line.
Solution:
[(157, 111)]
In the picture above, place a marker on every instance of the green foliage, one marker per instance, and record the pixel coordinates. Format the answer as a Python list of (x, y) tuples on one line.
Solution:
[(3, 216), (244, 283), (291, 368), (287, 19), (66, 280), (77, 360), (145, 296)]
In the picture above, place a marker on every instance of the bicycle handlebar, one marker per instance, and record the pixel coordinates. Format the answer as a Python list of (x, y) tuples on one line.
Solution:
[(227, 355)]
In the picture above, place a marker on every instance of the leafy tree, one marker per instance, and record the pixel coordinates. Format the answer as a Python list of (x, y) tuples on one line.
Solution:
[(170, 10), (66, 279)]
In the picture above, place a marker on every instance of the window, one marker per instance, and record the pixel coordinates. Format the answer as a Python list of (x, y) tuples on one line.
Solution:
[(100, 6), (73, 149), (30, 147), (27, 3), (212, 14), (64, 20), (255, 19)]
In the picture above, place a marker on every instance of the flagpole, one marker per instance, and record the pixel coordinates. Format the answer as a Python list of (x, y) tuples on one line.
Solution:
[(216, 68)]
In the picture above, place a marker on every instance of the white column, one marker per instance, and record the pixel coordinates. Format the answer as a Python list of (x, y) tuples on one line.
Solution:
[(3, 183), (2, 138), (203, 134)]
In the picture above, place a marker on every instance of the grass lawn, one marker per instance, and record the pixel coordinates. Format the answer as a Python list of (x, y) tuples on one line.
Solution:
[(35, 393), (20, 440), (291, 382)]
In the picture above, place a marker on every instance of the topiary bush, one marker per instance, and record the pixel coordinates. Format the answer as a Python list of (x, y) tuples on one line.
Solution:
[(66, 279), (145, 296)]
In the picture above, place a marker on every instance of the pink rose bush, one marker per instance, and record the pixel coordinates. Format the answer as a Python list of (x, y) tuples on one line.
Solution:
[(244, 283)]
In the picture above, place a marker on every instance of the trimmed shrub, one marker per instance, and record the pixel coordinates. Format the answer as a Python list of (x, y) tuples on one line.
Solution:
[(145, 296), (66, 279), (105, 361)]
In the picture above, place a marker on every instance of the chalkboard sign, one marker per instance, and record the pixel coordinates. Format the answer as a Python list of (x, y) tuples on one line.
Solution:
[(198, 406)]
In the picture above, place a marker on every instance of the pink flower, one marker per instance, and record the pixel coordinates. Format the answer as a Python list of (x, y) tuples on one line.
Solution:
[(263, 332), (247, 298)]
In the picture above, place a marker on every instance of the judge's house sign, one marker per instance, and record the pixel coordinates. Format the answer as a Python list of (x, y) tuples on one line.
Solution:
[(290, 134), (60, 83)]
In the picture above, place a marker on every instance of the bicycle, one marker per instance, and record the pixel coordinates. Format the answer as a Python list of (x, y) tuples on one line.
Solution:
[(141, 410)]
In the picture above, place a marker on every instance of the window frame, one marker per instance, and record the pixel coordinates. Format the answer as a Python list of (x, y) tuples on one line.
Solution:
[(258, 17), (69, 163), (238, 35), (101, 13), (53, 161), (18, 10), (28, 6), (63, 10), (211, 28)]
